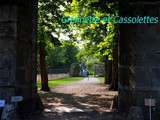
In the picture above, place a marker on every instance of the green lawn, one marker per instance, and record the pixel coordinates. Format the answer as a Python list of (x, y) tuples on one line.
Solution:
[(57, 82), (101, 79)]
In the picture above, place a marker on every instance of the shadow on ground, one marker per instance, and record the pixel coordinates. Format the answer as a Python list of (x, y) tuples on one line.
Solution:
[(60, 106), (84, 100), (80, 103), (80, 116)]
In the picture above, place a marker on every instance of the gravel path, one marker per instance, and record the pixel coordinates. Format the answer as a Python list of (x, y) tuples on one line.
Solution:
[(83, 87), (84, 100), (89, 94)]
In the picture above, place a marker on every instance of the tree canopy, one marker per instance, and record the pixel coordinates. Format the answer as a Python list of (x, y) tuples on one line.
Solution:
[(95, 41), (98, 38)]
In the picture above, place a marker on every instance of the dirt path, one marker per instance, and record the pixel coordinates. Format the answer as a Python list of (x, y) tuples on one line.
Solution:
[(87, 95), (84, 87), (83, 100)]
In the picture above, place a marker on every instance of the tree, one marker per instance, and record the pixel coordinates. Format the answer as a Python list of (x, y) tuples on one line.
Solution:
[(70, 53), (49, 13), (99, 39), (62, 56), (43, 68)]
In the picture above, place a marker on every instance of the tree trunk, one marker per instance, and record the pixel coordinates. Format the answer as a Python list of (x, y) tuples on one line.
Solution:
[(108, 72), (114, 81), (43, 69)]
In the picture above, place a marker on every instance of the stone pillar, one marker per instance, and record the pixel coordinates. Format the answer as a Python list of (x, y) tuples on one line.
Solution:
[(17, 52), (139, 59)]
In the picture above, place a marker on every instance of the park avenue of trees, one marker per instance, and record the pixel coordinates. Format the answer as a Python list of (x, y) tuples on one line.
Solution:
[(99, 41)]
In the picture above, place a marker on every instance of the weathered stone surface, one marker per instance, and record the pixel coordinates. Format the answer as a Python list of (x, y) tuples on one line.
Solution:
[(8, 33), (139, 58), (17, 52), (7, 67), (8, 13), (135, 113)]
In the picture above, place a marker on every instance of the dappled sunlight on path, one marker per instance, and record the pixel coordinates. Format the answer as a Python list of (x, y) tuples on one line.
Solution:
[(87, 99), (86, 95)]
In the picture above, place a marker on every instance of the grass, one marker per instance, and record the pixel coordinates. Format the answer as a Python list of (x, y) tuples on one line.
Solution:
[(57, 82), (101, 79)]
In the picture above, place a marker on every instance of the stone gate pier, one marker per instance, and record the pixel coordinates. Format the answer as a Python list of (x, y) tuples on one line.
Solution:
[(139, 61), (17, 52)]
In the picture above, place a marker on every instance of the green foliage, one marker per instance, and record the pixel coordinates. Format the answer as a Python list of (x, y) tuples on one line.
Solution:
[(49, 14), (88, 59), (100, 38), (56, 57), (97, 40), (70, 52), (63, 55)]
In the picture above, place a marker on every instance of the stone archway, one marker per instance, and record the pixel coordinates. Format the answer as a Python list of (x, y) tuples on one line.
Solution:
[(18, 39), (139, 58)]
